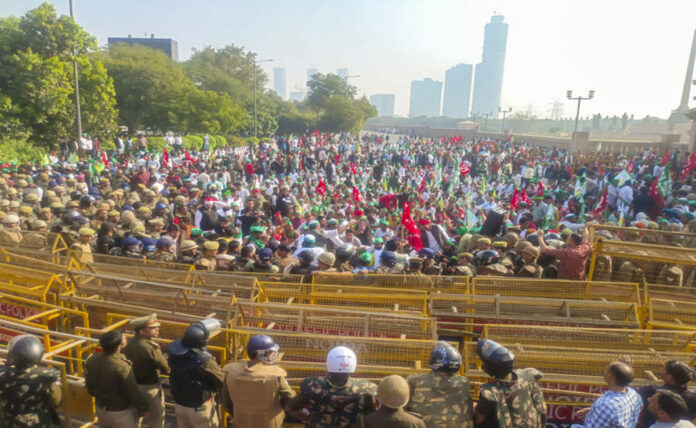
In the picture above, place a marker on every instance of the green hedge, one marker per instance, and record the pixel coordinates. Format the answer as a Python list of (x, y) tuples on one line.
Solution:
[(19, 151)]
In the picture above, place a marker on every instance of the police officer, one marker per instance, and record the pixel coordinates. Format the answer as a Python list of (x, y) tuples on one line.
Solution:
[(37, 236), (388, 264), (195, 376), (82, 250), (441, 396), (110, 379), (29, 395), (336, 400), (530, 269), (207, 261), (256, 391), (164, 251), (513, 398), (429, 265), (10, 233), (148, 363), (393, 394)]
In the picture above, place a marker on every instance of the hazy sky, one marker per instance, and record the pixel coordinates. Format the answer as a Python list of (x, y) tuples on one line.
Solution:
[(633, 53)]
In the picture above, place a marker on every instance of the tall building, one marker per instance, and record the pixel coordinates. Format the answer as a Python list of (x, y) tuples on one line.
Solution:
[(296, 96), (342, 72), (455, 102), (311, 72), (384, 104), (425, 98), (168, 46), (488, 82), (279, 79)]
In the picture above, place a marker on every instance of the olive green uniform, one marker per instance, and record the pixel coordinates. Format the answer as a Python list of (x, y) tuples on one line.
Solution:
[(27, 397), (444, 400)]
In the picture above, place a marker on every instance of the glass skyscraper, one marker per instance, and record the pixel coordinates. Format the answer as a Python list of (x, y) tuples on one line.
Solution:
[(488, 81)]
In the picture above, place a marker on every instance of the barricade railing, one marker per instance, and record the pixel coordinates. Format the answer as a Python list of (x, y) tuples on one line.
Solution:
[(356, 297), (593, 338), (53, 317), (464, 315), (671, 314), (571, 361), (162, 296), (271, 317), (444, 284), (641, 235), (559, 289), (129, 261)]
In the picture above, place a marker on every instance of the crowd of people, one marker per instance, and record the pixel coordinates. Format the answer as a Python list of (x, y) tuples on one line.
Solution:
[(338, 203), (124, 379)]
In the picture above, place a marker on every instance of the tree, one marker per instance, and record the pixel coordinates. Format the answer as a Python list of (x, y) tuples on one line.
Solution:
[(37, 92), (153, 92), (324, 86), (344, 114)]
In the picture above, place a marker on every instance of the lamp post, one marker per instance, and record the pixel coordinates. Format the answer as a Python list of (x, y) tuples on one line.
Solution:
[(78, 115), (504, 112), (256, 62), (485, 122), (579, 99)]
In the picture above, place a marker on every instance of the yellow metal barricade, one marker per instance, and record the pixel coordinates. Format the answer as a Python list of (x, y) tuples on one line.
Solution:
[(559, 289), (271, 317), (592, 338), (356, 297), (444, 284), (671, 315)]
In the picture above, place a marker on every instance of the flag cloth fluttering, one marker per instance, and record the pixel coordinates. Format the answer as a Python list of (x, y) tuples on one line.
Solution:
[(105, 159), (464, 168), (524, 198), (422, 185), (515, 199), (414, 239), (357, 197), (665, 157), (603, 201), (664, 183), (541, 189), (690, 166), (165, 158), (321, 187)]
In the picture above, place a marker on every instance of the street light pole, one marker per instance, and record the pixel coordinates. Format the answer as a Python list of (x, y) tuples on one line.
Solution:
[(77, 90), (504, 112), (256, 135), (485, 122), (580, 99)]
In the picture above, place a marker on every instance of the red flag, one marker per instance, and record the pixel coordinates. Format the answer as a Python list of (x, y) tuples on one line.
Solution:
[(187, 156), (524, 198), (165, 157), (321, 187), (570, 170), (422, 185), (352, 168), (665, 157), (464, 168), (105, 159), (415, 242), (690, 166), (316, 132), (407, 221), (603, 201), (444, 138), (541, 189), (515, 199), (630, 166), (357, 197), (127, 161)]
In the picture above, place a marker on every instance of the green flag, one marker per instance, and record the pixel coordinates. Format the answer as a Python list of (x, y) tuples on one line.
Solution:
[(664, 183)]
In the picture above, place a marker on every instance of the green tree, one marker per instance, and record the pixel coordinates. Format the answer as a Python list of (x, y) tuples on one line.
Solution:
[(344, 114), (37, 92), (322, 87)]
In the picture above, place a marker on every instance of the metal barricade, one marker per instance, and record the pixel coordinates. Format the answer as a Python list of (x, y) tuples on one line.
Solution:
[(444, 284)]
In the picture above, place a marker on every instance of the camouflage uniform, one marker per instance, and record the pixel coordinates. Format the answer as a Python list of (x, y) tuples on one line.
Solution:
[(518, 403), (444, 401), (397, 269), (27, 396), (432, 269), (337, 407), (163, 256)]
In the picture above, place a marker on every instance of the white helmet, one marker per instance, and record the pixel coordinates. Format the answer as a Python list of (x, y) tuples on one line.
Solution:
[(341, 360)]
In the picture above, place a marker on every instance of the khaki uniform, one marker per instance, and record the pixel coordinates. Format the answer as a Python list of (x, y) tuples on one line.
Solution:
[(256, 394), (671, 275), (10, 235), (35, 239), (530, 271), (110, 379), (628, 272), (386, 417), (205, 263), (148, 362), (463, 271), (82, 252), (397, 269)]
